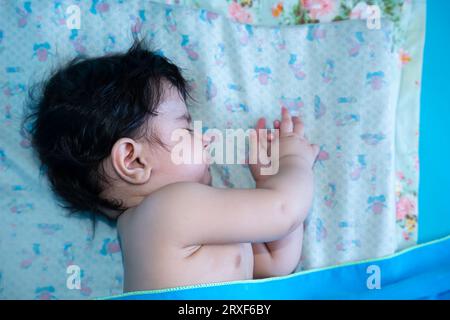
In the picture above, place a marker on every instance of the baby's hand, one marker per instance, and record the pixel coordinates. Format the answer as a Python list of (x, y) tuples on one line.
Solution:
[(292, 144), (292, 141)]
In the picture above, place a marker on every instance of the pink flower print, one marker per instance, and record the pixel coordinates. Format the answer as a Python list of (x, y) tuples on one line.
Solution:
[(322, 10), (344, 119), (85, 290), (315, 33), (189, 47), (329, 198), (208, 16), (103, 7), (99, 7), (294, 105), (78, 46), (296, 67), (236, 106), (239, 14), (263, 74), (45, 293), (23, 14), (26, 263), (279, 43), (171, 24), (42, 54), (376, 204), (405, 206), (245, 33), (7, 113), (138, 22), (358, 167), (372, 139), (328, 71), (375, 79), (356, 44), (110, 247), (41, 51), (322, 156)]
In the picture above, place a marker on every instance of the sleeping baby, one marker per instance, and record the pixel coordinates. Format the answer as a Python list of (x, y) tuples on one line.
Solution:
[(103, 129)]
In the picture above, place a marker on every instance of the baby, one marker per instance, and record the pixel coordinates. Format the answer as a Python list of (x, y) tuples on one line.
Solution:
[(102, 128)]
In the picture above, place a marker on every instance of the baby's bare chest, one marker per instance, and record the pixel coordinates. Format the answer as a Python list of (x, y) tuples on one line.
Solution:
[(234, 261)]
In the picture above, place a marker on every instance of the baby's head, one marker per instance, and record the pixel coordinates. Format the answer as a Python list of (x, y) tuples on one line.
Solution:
[(102, 129)]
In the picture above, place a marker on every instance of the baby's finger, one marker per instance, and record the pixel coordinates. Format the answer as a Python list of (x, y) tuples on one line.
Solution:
[(261, 123), (269, 148), (286, 122), (253, 147), (258, 136), (276, 124), (270, 135), (261, 127), (299, 128)]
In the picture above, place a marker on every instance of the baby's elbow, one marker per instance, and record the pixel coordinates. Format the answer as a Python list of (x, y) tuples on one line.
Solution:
[(298, 209), (287, 217), (294, 215)]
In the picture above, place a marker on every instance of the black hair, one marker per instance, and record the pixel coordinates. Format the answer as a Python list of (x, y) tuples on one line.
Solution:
[(85, 107)]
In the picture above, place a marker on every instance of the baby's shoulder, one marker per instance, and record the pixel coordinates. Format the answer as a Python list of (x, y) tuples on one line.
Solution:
[(163, 211), (172, 198)]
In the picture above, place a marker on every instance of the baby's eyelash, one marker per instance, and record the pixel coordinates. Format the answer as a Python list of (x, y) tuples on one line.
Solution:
[(190, 129)]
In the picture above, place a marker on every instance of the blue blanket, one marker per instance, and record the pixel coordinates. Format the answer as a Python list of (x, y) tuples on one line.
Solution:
[(422, 272)]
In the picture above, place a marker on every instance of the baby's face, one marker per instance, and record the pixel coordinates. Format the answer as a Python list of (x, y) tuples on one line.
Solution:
[(173, 116)]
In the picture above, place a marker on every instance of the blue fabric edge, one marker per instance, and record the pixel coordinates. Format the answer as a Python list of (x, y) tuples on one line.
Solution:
[(421, 272)]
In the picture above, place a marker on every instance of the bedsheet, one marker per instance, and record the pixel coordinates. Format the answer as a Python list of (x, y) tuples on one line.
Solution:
[(347, 81)]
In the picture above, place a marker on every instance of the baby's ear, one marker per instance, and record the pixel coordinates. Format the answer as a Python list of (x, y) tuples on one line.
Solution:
[(130, 162)]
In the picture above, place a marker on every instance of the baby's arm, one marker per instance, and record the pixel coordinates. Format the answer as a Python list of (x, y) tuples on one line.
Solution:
[(199, 214), (281, 257)]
